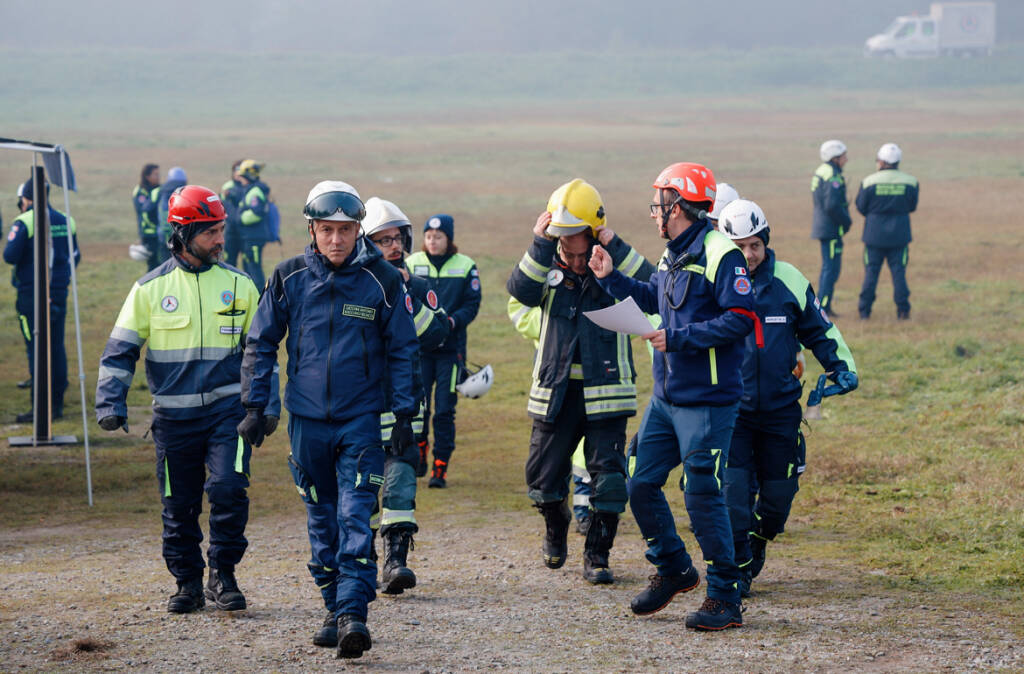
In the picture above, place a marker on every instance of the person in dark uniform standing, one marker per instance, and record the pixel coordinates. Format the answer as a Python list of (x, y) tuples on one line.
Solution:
[(351, 346), (231, 194), (19, 252), (886, 199), (144, 198), (831, 216), (768, 453), (252, 219), (455, 280)]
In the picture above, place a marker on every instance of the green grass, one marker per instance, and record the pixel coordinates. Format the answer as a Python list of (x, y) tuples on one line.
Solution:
[(916, 476)]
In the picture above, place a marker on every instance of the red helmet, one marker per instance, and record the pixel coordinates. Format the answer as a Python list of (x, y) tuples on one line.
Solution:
[(194, 203), (692, 182)]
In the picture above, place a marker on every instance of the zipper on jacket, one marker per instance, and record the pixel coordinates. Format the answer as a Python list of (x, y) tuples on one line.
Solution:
[(330, 342), (199, 291)]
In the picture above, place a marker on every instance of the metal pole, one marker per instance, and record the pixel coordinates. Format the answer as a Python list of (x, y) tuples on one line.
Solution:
[(78, 326)]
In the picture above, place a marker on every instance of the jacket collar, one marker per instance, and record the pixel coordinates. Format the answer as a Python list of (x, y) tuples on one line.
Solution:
[(765, 271), (192, 269), (691, 240)]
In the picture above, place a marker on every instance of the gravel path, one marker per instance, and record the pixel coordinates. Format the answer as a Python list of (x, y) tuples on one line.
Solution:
[(93, 599)]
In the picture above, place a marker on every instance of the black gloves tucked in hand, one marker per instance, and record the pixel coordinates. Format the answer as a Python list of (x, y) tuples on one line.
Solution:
[(402, 437), (255, 427), (113, 422)]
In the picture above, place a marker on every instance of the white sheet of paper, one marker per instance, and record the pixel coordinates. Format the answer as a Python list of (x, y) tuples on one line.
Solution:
[(622, 317)]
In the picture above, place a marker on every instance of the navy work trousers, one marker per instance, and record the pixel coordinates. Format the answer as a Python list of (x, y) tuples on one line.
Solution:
[(698, 438), (440, 373), (24, 304), (766, 459), (897, 259), (194, 455), (831, 265), (338, 467)]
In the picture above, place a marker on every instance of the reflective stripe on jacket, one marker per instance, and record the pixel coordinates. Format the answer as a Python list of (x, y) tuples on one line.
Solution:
[(792, 316), (457, 285), (703, 294), (605, 358), (194, 321), (831, 209), (144, 200), (886, 199)]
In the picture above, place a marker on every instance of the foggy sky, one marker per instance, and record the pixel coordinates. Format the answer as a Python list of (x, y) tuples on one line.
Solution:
[(454, 26)]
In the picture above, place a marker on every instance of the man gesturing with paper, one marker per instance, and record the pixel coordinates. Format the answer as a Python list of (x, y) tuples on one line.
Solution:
[(703, 294), (583, 375)]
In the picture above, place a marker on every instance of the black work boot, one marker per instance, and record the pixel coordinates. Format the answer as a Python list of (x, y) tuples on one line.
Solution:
[(583, 524), (397, 577), (757, 549), (188, 598), (223, 591), (353, 637), (556, 522), (424, 447), (438, 478), (715, 614), (661, 591), (327, 635), (595, 549)]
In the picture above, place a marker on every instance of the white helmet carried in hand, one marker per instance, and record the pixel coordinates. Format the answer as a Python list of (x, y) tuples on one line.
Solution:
[(725, 194), (743, 218), (477, 383), (831, 149), (138, 252), (890, 153), (382, 214), (334, 200)]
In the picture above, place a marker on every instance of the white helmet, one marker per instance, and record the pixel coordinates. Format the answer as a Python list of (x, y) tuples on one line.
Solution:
[(742, 218), (890, 153), (138, 252), (831, 149), (477, 383), (382, 214), (334, 200), (724, 195)]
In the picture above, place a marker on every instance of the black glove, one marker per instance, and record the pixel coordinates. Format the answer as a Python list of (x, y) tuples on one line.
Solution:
[(269, 425), (402, 437), (114, 422), (252, 427)]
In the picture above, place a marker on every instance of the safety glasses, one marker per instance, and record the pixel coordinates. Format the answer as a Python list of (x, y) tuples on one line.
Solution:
[(332, 204)]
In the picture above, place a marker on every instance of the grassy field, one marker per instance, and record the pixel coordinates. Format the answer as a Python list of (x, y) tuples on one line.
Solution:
[(917, 477)]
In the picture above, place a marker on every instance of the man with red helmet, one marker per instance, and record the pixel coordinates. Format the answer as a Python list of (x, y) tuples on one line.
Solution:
[(195, 312), (702, 292)]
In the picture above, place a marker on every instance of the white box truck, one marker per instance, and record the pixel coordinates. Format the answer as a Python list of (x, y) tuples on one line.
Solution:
[(953, 28)]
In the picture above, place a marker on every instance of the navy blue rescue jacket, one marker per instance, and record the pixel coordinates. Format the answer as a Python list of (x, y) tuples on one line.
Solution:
[(19, 250), (831, 209), (886, 199), (791, 316), (704, 275), (351, 340), (456, 282)]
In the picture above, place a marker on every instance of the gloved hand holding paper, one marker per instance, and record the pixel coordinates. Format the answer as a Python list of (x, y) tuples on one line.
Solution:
[(622, 317)]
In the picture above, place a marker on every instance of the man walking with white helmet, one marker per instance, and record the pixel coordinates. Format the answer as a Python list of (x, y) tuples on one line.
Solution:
[(831, 216), (584, 381), (886, 199), (351, 351), (767, 453)]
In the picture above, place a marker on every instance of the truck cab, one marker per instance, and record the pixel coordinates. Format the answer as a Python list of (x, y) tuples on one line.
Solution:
[(906, 36), (953, 28)]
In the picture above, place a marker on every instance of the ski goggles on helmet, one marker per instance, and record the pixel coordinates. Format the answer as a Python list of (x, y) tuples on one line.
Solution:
[(335, 206)]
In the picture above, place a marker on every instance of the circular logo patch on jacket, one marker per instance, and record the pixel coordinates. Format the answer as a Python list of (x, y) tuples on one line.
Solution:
[(408, 303), (169, 303), (432, 300), (475, 284), (555, 277), (227, 297), (741, 285)]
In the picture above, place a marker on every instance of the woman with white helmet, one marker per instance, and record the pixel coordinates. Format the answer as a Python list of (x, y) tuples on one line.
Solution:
[(766, 456)]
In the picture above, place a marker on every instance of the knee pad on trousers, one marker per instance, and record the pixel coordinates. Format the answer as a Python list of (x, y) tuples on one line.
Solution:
[(609, 493), (227, 492), (702, 472), (773, 506), (737, 487)]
